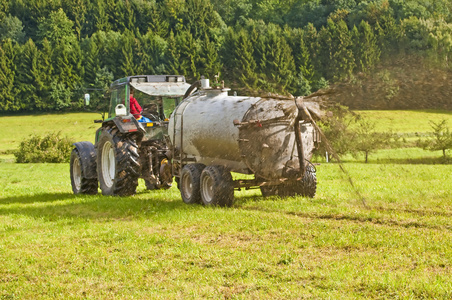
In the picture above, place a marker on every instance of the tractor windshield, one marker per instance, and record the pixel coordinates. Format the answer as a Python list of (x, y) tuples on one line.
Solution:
[(118, 96), (156, 108)]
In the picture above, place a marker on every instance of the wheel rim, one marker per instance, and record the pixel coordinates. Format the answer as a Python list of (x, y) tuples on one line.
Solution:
[(207, 189), (77, 173), (187, 186), (108, 164)]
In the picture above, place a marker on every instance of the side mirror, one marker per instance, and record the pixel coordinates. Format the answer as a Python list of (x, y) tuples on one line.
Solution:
[(86, 99)]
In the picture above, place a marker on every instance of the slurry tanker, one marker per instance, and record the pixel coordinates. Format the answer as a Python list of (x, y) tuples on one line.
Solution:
[(197, 135)]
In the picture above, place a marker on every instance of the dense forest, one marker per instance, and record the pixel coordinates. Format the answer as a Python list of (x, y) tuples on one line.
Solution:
[(371, 54)]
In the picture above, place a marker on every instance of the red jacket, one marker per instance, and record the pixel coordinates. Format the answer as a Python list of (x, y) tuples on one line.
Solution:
[(135, 108)]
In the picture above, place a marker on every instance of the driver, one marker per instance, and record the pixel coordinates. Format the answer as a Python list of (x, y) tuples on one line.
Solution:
[(135, 108)]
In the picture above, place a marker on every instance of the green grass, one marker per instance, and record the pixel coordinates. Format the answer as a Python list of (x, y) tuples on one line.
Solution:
[(406, 121), (58, 245), (390, 237)]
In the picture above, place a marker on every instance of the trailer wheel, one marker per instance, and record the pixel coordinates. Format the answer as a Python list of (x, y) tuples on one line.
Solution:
[(189, 183), (305, 187), (117, 163), (309, 182), (216, 186), (80, 184)]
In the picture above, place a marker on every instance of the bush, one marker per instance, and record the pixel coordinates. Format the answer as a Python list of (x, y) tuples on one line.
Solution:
[(51, 148)]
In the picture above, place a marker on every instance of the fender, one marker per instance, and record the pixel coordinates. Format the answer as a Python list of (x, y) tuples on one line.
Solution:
[(88, 158), (126, 127)]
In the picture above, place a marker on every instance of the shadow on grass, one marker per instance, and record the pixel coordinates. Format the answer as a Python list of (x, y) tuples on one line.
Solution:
[(406, 223), (40, 198), (67, 205)]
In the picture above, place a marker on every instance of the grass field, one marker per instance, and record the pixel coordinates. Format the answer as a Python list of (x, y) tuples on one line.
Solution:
[(393, 240)]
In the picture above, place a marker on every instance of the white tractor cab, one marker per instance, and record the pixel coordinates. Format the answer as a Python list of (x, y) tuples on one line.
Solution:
[(124, 148)]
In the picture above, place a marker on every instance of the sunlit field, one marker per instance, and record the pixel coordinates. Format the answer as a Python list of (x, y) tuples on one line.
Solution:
[(388, 236)]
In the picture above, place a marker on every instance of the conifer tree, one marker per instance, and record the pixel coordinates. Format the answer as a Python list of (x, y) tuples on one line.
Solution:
[(91, 61), (337, 41), (189, 55), (174, 55), (245, 65), (76, 11), (27, 71), (365, 47), (7, 73), (43, 77), (128, 66), (151, 58), (209, 61)]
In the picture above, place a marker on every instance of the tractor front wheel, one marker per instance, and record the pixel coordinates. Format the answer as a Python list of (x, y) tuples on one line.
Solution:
[(80, 183)]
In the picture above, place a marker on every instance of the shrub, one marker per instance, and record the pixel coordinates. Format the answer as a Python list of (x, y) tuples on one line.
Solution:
[(441, 140), (51, 148)]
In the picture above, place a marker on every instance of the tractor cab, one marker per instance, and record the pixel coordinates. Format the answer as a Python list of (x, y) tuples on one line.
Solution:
[(158, 95)]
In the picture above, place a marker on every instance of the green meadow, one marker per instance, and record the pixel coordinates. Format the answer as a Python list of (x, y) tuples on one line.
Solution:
[(389, 236)]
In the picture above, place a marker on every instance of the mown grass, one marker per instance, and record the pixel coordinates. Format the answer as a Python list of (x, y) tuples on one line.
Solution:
[(57, 245), (390, 237)]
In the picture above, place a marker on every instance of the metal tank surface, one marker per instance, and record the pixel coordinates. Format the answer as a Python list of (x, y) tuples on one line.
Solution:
[(267, 137)]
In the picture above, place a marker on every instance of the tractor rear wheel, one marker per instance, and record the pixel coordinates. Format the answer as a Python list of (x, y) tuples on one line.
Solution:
[(80, 184), (217, 186), (118, 164)]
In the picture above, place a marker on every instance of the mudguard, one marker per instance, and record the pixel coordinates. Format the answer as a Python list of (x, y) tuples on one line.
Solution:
[(127, 127), (88, 158)]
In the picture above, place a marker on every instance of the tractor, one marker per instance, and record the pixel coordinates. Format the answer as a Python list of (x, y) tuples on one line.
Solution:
[(126, 149)]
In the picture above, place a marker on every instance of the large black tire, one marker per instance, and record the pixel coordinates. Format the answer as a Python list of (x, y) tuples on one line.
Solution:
[(80, 184), (217, 186), (309, 182), (305, 187), (118, 166), (189, 183)]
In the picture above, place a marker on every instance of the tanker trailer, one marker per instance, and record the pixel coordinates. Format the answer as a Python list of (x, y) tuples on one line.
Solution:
[(212, 134)]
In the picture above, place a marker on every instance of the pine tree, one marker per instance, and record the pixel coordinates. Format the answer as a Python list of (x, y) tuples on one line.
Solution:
[(7, 73), (151, 57), (91, 61), (277, 65), (44, 77), (174, 55), (56, 28), (209, 60), (365, 47), (76, 11), (189, 55), (128, 66), (27, 70), (341, 61)]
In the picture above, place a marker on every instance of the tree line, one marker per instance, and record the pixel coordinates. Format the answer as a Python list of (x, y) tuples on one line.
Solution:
[(53, 51)]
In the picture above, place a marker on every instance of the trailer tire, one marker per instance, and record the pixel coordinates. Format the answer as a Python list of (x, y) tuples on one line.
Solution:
[(216, 186), (79, 182), (309, 182), (305, 187), (189, 183), (118, 164)]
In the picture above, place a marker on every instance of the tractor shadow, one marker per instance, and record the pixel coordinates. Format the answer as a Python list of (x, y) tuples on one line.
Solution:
[(68, 205)]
